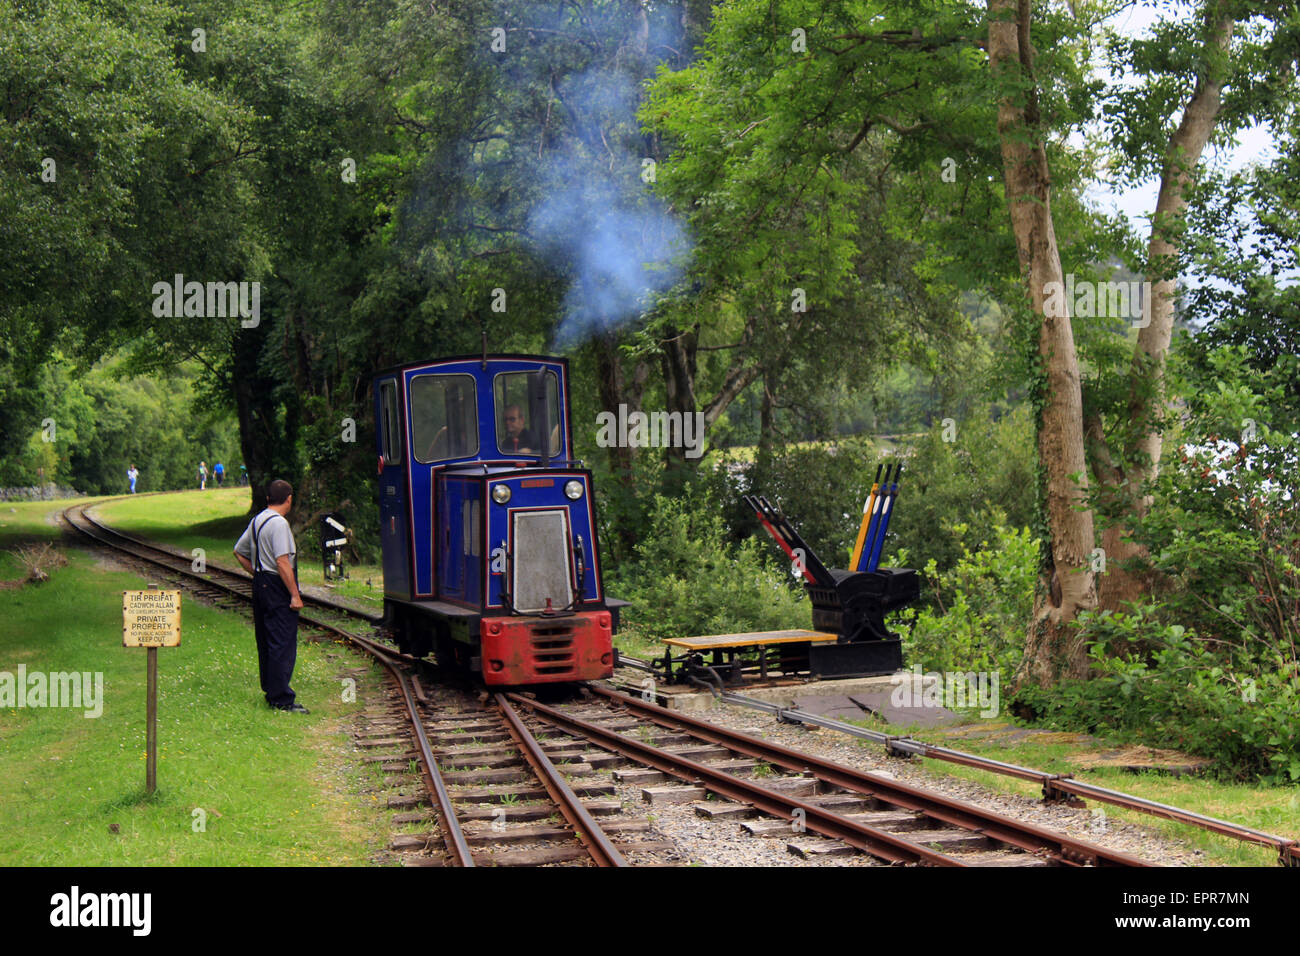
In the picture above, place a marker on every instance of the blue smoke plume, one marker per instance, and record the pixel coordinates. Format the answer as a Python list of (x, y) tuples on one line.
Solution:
[(598, 221)]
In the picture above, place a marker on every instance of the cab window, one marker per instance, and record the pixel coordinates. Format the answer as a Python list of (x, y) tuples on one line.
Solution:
[(444, 418), (389, 433), (516, 433)]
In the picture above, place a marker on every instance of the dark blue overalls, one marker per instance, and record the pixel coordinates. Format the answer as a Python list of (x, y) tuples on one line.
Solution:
[(275, 625)]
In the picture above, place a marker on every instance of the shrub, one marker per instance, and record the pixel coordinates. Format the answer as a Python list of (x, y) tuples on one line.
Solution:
[(954, 494), (979, 609), (1181, 694), (687, 578), (821, 489), (1224, 536)]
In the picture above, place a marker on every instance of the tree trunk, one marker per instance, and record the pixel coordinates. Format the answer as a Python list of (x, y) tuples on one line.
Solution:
[(250, 400), (609, 383), (1067, 587), (679, 366), (766, 426), (1140, 456)]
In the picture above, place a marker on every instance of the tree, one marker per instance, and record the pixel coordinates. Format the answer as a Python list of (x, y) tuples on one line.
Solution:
[(1053, 648), (1196, 83), (792, 141)]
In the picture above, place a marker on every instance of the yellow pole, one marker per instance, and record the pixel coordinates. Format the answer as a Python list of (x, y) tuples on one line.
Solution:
[(866, 519)]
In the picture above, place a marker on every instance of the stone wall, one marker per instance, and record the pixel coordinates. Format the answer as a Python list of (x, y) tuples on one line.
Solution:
[(37, 493)]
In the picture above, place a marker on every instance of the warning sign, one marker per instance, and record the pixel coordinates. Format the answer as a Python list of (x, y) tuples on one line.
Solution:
[(151, 618)]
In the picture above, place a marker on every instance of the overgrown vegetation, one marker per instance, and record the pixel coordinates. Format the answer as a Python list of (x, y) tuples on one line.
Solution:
[(1166, 686), (974, 618)]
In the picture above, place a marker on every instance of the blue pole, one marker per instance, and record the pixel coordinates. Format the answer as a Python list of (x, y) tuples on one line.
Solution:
[(888, 511), (873, 524)]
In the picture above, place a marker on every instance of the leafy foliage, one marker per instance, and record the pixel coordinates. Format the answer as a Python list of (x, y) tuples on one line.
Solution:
[(1157, 683), (689, 578), (107, 420), (979, 607)]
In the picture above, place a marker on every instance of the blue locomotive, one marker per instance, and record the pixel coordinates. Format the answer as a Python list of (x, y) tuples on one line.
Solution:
[(488, 524)]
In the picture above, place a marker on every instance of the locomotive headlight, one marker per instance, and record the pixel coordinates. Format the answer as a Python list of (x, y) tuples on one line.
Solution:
[(573, 490), (501, 493)]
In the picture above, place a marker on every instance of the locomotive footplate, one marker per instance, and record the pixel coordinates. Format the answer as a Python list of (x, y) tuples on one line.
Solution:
[(784, 651)]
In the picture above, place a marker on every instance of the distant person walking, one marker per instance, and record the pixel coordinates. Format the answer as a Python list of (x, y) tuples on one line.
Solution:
[(203, 476), (266, 550), (132, 474), (243, 475), (219, 473)]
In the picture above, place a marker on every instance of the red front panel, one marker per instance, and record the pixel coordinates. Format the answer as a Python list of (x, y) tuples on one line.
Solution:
[(543, 650)]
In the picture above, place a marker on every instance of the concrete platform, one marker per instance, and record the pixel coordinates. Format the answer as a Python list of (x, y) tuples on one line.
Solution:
[(853, 698)]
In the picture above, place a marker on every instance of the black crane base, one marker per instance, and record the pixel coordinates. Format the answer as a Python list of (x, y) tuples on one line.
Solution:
[(858, 659)]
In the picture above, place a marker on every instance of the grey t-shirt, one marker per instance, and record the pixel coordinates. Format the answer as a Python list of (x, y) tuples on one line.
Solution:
[(274, 538)]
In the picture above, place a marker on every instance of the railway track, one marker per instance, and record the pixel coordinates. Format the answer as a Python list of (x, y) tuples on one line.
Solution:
[(520, 800), (450, 738), (221, 584), (1057, 788), (508, 780), (822, 808)]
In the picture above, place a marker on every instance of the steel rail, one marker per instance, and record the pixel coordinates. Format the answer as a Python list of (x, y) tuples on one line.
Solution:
[(1025, 836), (246, 596), (227, 572), (452, 834), (1055, 786), (878, 843), (588, 831), (1288, 849)]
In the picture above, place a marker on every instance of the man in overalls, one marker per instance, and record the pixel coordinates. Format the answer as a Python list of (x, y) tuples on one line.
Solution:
[(266, 550)]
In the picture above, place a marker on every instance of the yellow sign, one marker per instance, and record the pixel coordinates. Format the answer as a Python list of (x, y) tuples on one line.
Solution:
[(151, 618)]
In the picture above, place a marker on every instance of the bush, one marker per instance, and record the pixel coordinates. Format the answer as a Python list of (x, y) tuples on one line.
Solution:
[(957, 493), (1222, 537), (1180, 694), (687, 578), (821, 489), (980, 608)]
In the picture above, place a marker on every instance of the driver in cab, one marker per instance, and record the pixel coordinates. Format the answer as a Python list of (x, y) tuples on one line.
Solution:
[(518, 440)]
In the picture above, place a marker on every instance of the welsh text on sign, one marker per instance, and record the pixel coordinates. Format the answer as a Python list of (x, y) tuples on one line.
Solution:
[(151, 618)]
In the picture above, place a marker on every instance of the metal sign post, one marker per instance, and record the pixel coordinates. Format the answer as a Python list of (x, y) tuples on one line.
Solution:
[(334, 536), (151, 619), (151, 724)]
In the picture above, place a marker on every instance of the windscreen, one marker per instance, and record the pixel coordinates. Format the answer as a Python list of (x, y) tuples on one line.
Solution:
[(444, 417), (516, 433)]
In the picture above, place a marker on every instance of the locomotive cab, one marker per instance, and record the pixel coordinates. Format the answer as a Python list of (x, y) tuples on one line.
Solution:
[(488, 525)]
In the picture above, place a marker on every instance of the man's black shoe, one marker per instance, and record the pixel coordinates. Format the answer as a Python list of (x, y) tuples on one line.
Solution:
[(295, 709)]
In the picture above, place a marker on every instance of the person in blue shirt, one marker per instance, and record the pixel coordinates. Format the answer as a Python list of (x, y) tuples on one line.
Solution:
[(219, 473)]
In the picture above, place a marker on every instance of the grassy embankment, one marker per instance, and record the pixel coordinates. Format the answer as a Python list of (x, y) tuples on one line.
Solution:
[(276, 788)]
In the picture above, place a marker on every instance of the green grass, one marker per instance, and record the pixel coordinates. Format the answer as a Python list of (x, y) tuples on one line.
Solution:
[(630, 642), (23, 522), (276, 788), (214, 520), (1272, 809)]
